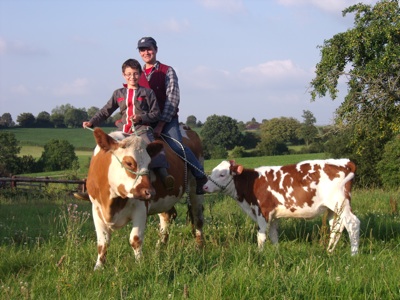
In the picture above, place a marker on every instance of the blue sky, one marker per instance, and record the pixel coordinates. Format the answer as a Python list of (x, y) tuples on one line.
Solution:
[(239, 58)]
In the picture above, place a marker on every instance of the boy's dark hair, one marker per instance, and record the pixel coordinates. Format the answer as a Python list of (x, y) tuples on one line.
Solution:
[(133, 63)]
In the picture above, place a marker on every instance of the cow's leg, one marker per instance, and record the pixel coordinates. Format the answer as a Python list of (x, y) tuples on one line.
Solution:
[(103, 233), (139, 218), (352, 224), (336, 225), (195, 210), (273, 231), (165, 219), (262, 229)]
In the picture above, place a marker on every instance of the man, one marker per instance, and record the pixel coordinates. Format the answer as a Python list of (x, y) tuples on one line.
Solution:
[(163, 81)]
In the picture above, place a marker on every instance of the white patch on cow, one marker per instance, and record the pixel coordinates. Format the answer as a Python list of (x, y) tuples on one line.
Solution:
[(132, 147)]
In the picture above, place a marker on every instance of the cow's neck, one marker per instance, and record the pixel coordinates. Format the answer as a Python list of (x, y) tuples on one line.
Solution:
[(244, 185)]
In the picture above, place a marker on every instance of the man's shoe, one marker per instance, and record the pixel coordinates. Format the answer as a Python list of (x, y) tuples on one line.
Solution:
[(82, 196), (200, 182)]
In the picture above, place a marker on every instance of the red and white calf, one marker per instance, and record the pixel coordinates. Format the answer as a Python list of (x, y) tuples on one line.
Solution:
[(303, 190)]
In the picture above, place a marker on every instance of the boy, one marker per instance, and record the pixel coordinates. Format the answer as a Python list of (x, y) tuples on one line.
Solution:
[(140, 111)]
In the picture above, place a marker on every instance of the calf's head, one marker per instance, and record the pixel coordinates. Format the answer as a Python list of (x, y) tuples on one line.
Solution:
[(222, 176)]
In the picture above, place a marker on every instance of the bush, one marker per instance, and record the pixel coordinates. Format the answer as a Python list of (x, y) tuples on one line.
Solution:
[(237, 152), (219, 152), (389, 166), (58, 155)]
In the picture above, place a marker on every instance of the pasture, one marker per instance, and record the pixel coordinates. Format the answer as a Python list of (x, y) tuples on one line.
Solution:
[(48, 249)]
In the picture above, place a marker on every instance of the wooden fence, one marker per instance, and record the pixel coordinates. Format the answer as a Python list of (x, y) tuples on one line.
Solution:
[(15, 182)]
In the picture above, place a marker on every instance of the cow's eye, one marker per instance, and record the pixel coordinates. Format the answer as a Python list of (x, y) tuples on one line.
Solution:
[(130, 163)]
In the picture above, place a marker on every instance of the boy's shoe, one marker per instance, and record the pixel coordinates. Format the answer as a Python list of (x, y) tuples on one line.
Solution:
[(82, 196)]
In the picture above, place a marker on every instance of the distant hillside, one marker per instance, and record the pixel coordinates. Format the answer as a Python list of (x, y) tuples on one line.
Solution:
[(81, 139)]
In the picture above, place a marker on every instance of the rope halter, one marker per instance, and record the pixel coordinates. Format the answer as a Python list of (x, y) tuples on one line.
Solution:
[(138, 174)]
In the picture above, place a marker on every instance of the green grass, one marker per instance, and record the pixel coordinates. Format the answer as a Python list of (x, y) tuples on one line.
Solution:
[(48, 251), (78, 137)]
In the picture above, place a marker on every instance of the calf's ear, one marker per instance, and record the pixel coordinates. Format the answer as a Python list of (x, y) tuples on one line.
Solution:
[(236, 169), (154, 148)]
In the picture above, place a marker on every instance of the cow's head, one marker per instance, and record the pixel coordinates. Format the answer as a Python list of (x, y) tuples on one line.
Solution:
[(222, 176), (128, 161)]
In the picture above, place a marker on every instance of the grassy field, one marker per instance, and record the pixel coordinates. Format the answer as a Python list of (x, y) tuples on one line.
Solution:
[(48, 248), (80, 138), (48, 251)]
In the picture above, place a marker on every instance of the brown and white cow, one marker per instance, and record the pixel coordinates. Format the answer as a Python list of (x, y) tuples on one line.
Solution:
[(122, 189), (303, 190)]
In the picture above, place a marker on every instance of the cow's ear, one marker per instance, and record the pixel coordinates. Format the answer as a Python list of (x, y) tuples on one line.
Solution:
[(154, 148), (104, 141), (236, 169), (239, 169)]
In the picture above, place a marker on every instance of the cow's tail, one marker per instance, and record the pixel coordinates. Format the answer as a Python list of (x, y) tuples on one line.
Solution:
[(351, 168)]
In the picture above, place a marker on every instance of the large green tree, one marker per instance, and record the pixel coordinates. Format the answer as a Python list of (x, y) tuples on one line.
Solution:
[(276, 134), (43, 120), (367, 55), (6, 120), (74, 117), (220, 132), (26, 120)]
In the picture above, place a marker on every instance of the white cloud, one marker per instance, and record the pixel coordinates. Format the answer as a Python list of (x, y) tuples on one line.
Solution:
[(3, 46), (330, 6), (78, 87), (20, 48), (173, 25), (20, 90), (273, 72), (230, 6)]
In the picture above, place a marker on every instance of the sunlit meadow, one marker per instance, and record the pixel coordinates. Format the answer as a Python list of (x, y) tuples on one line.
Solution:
[(48, 251)]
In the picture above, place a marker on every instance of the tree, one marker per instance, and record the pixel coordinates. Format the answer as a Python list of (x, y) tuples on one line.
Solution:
[(74, 117), (26, 120), (43, 120), (191, 121), (389, 166), (281, 129), (58, 155), (307, 131), (9, 150), (368, 56), (57, 119), (92, 111), (6, 120), (221, 131)]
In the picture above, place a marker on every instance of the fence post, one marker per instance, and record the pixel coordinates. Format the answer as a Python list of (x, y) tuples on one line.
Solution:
[(84, 186), (13, 183)]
